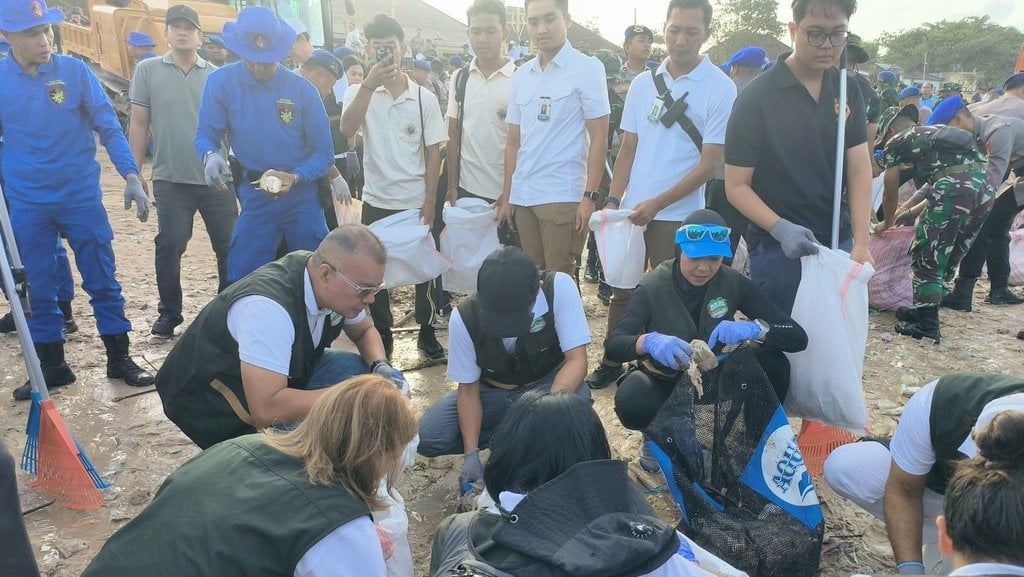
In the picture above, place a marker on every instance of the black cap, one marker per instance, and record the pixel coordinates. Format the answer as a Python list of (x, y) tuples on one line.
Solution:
[(1015, 81), (704, 216), (507, 289), (638, 30), (182, 12), (327, 61)]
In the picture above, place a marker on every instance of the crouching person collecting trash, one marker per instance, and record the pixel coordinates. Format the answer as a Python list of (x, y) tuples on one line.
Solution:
[(259, 354), (693, 297), (276, 503)]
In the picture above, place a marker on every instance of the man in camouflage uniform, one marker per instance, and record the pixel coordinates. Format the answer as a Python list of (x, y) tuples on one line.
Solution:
[(888, 89), (948, 90), (856, 55), (959, 201)]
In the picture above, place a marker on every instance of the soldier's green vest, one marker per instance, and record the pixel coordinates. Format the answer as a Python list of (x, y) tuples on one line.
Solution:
[(537, 353), (200, 383), (239, 509), (669, 315), (956, 404)]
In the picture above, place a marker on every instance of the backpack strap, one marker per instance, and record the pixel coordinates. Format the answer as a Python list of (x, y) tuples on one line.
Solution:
[(461, 80)]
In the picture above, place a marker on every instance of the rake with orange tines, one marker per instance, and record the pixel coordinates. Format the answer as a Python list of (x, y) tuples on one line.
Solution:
[(817, 441), (51, 452)]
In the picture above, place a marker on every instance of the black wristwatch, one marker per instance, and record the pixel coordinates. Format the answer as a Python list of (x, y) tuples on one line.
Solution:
[(594, 196)]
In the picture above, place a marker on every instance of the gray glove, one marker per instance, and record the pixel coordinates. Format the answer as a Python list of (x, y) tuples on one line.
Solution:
[(216, 171), (133, 192), (341, 190), (911, 568), (796, 240), (386, 371), (472, 471)]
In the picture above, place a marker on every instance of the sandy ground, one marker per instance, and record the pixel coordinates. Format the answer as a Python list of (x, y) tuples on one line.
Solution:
[(134, 446)]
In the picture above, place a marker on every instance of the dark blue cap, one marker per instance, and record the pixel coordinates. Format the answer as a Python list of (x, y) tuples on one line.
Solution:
[(887, 76), (342, 51), (141, 39), (327, 61), (724, 68), (1015, 81), (946, 110), (910, 92), (18, 15), (215, 39), (421, 65), (751, 56), (768, 66), (455, 60), (638, 30)]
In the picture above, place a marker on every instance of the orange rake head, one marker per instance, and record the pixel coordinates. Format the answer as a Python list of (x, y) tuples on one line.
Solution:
[(816, 441), (61, 469)]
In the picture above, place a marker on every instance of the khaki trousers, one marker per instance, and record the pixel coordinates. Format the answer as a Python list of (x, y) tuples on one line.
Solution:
[(548, 235)]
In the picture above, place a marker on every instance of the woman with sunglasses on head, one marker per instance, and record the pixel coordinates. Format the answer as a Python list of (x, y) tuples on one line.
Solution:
[(695, 297)]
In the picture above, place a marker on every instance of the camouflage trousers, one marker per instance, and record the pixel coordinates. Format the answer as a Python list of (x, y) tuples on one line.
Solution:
[(959, 205)]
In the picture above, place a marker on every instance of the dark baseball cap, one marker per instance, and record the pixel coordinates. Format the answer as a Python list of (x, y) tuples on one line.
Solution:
[(328, 62), (183, 12), (507, 289), (1015, 81), (638, 30)]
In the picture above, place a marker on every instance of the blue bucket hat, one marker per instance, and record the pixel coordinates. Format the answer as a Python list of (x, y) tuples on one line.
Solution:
[(711, 241), (259, 35), (18, 15), (946, 110), (141, 39), (751, 57), (910, 92)]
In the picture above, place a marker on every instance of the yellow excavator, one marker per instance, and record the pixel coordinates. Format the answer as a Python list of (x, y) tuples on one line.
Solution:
[(99, 37)]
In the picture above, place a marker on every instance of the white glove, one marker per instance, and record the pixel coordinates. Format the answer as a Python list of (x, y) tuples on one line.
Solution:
[(216, 171), (341, 190)]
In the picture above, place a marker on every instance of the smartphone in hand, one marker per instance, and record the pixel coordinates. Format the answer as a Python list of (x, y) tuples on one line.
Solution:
[(385, 52)]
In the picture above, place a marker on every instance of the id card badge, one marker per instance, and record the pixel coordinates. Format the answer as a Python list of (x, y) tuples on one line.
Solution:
[(544, 109), (655, 114)]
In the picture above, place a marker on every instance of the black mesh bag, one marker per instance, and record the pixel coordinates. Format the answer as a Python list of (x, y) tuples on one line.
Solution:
[(736, 473)]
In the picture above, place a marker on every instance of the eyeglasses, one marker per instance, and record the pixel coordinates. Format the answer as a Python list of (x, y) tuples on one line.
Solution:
[(695, 232), (361, 291), (817, 38)]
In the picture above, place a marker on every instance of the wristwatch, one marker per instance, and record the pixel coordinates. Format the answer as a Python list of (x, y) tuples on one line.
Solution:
[(594, 196), (765, 327)]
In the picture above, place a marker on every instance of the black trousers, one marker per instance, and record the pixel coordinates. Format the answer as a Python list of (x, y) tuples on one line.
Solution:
[(176, 206), (17, 559), (715, 199), (380, 308), (993, 244)]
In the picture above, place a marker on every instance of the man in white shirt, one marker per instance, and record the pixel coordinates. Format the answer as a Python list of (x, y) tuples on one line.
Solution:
[(521, 331), (354, 41), (662, 167), (402, 133), (557, 141), (477, 131)]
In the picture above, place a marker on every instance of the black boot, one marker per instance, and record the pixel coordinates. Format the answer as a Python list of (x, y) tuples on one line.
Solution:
[(120, 365), (927, 325), (56, 372), (960, 298), (70, 326), (1002, 296), (427, 345), (7, 323), (906, 314)]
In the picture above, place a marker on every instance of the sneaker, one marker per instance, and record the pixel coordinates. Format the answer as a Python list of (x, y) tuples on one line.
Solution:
[(590, 274), (427, 345), (1003, 297), (603, 376), (604, 293), (164, 325), (647, 461)]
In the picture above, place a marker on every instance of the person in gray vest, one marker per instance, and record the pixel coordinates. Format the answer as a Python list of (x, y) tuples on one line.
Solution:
[(521, 330), (905, 482), (278, 503), (259, 354), (694, 297)]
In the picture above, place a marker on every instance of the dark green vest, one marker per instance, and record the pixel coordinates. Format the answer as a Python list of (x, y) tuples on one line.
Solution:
[(956, 404), (670, 316), (239, 509), (200, 382), (537, 353)]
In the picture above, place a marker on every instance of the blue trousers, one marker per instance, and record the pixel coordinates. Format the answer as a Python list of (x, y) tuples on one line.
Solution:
[(264, 221), (335, 366), (36, 230), (777, 275)]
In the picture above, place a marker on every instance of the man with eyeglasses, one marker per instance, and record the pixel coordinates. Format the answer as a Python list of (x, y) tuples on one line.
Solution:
[(522, 330), (259, 354), (780, 154)]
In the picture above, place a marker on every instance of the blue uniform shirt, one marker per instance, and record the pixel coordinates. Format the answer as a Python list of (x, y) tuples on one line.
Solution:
[(280, 124), (47, 123)]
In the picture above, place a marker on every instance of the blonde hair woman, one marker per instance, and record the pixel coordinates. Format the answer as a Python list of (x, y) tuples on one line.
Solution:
[(277, 503)]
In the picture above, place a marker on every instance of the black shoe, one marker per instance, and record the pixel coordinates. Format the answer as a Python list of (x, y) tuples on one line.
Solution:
[(120, 365), (1003, 297), (906, 314), (1020, 334), (927, 325), (603, 376), (961, 296), (604, 293), (427, 345), (7, 324), (165, 323), (56, 372)]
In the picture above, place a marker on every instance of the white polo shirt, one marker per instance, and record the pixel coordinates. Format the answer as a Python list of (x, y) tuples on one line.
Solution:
[(665, 155), (393, 161), (484, 131), (552, 162)]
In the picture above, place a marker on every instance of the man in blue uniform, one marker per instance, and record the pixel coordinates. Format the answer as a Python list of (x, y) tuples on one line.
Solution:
[(140, 46), (50, 105), (278, 130)]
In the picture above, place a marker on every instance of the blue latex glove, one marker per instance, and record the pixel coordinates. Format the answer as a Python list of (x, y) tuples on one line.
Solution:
[(734, 332), (392, 374), (796, 241), (672, 352), (133, 192), (472, 470), (911, 568), (216, 171)]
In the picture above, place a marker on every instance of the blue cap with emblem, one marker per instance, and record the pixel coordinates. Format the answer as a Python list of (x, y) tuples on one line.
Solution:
[(751, 57), (141, 39), (18, 15), (638, 30), (946, 110), (910, 92), (259, 35), (328, 62)]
